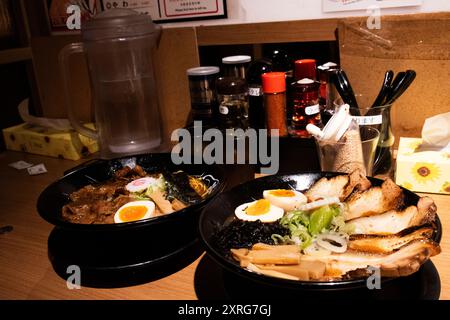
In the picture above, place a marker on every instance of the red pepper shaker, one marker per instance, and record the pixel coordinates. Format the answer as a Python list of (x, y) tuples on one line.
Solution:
[(274, 88)]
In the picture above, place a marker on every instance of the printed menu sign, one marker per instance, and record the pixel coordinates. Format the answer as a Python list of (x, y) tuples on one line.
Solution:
[(347, 5), (172, 10)]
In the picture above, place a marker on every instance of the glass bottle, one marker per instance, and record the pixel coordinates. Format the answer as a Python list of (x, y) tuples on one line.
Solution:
[(256, 113), (281, 62), (328, 93), (232, 99), (305, 107), (236, 66), (202, 81), (305, 68)]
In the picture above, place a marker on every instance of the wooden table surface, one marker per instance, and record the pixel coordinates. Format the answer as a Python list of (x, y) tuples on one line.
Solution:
[(26, 272)]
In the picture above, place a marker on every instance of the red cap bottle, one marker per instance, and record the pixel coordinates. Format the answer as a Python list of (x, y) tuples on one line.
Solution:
[(273, 82), (305, 68), (274, 88)]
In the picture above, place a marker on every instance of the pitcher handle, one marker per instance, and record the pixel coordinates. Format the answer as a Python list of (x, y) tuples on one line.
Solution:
[(63, 58)]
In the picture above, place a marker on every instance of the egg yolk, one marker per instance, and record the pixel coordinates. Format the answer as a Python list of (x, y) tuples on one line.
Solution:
[(282, 193), (258, 208), (132, 213)]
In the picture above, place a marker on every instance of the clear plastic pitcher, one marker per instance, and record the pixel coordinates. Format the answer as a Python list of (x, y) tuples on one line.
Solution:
[(118, 45)]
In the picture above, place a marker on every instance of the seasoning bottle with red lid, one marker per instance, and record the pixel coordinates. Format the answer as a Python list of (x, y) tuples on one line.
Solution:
[(305, 68), (304, 108), (274, 88)]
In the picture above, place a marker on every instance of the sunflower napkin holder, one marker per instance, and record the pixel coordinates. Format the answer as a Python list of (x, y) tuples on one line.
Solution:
[(423, 164)]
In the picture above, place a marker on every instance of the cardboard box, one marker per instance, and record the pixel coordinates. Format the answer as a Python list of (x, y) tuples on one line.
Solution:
[(49, 142), (422, 171)]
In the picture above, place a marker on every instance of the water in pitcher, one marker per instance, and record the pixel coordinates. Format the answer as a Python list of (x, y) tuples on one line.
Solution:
[(128, 115)]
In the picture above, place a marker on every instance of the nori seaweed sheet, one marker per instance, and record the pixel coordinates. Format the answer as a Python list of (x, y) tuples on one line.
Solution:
[(244, 234)]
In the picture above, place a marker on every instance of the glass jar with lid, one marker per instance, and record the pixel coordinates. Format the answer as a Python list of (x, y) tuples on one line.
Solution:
[(236, 66), (232, 100), (202, 82)]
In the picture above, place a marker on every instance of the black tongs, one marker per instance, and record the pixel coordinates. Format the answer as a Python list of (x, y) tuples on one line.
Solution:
[(345, 90), (393, 88)]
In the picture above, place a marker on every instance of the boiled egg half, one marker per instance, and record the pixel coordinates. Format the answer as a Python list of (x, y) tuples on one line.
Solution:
[(141, 184), (286, 199), (259, 210), (134, 211)]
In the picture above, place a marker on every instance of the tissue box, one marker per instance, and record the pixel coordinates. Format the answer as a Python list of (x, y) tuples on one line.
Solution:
[(49, 142), (422, 171)]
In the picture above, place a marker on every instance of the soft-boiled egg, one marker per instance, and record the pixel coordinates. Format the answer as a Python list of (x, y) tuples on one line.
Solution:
[(286, 199), (141, 184), (259, 210), (134, 211)]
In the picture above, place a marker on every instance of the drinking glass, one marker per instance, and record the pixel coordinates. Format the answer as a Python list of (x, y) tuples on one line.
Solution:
[(347, 156), (377, 117)]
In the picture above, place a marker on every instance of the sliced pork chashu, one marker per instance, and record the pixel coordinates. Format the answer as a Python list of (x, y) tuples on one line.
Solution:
[(402, 262), (389, 243), (339, 186), (374, 201), (394, 221)]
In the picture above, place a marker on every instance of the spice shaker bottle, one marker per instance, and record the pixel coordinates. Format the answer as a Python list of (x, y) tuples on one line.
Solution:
[(274, 88), (256, 114), (305, 68), (232, 93), (236, 66), (202, 81), (305, 107), (232, 100)]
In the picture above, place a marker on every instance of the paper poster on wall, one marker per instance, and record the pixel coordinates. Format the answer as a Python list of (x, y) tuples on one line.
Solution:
[(172, 10), (347, 5)]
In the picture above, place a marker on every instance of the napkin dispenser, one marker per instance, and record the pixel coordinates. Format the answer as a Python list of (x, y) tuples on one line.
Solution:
[(423, 164), (48, 137)]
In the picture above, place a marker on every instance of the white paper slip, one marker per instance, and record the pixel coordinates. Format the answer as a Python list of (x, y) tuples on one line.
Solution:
[(37, 169), (20, 165), (369, 120)]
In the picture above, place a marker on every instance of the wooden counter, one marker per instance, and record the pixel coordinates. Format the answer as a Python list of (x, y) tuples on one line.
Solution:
[(26, 272)]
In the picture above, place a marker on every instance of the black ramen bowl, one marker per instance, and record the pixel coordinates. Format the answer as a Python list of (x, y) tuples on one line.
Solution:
[(220, 211), (56, 195)]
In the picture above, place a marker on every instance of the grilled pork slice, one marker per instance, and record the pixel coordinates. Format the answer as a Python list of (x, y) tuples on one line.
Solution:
[(374, 201), (340, 186), (389, 243), (402, 262), (393, 221)]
